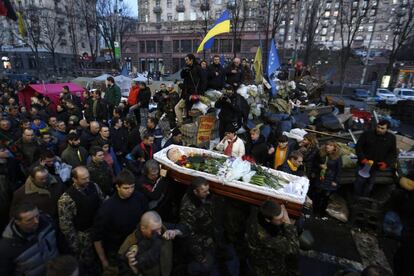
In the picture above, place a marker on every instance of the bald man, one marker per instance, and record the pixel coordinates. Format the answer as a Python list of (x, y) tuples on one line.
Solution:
[(77, 208), (88, 136), (149, 249), (234, 73)]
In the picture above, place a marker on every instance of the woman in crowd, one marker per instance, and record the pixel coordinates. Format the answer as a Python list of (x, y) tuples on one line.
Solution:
[(231, 145), (309, 149), (257, 147)]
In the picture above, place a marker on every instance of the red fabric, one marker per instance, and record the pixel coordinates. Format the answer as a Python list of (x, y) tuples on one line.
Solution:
[(229, 149), (133, 95), (382, 165), (6, 9), (364, 161), (147, 187), (144, 149), (51, 90)]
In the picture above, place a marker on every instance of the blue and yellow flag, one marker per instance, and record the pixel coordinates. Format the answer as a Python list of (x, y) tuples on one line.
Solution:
[(221, 26), (258, 65), (273, 65)]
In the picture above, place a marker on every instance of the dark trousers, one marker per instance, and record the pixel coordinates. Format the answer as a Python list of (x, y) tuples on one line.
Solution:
[(364, 186)]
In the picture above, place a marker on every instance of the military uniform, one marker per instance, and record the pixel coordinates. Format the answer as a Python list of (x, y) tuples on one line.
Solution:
[(77, 209), (198, 217), (269, 247)]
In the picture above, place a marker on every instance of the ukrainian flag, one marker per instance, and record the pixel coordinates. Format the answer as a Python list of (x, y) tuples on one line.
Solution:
[(221, 26)]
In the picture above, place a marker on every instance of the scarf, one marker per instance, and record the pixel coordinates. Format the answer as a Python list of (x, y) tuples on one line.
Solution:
[(280, 156), (229, 149), (144, 149), (292, 167)]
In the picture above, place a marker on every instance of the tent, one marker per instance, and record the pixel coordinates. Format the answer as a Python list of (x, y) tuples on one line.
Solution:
[(124, 83), (102, 77), (83, 81), (50, 90), (141, 77)]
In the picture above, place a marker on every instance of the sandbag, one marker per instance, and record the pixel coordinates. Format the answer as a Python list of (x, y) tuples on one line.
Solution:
[(274, 118), (328, 121), (337, 208)]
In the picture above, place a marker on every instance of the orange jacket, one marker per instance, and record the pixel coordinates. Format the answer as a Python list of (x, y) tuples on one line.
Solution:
[(133, 95)]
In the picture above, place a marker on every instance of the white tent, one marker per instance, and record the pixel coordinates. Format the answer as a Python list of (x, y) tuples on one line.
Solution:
[(102, 77), (140, 77), (124, 83)]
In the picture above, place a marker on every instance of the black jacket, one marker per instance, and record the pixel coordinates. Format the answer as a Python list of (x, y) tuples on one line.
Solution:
[(87, 138), (191, 76), (144, 97), (119, 138), (100, 173), (117, 218), (234, 79), (203, 80), (258, 150), (101, 111), (215, 76), (379, 148), (237, 110)]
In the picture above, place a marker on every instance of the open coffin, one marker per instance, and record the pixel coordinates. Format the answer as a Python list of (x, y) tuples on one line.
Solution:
[(292, 195)]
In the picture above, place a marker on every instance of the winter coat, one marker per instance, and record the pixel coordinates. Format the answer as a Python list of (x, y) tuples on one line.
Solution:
[(119, 140), (234, 79), (87, 138), (113, 95), (100, 173), (203, 80), (133, 95), (332, 174), (215, 76), (101, 111), (258, 150), (379, 148), (144, 98), (247, 75), (191, 76), (28, 255), (237, 110), (238, 149), (71, 156)]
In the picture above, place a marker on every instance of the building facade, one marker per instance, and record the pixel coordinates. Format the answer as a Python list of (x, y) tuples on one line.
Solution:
[(170, 29), (55, 38)]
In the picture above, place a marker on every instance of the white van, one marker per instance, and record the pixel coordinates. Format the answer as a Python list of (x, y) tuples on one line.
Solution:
[(404, 93)]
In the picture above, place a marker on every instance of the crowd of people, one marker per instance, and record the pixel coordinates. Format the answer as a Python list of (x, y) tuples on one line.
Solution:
[(81, 193)]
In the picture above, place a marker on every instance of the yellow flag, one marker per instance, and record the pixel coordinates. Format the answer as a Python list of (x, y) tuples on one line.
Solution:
[(258, 65), (20, 24)]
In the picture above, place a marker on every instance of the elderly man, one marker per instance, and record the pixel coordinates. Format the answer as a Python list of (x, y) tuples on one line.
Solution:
[(234, 73), (148, 250), (42, 189), (88, 136)]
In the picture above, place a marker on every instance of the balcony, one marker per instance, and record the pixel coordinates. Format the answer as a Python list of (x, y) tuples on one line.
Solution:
[(180, 8), (231, 5), (157, 9)]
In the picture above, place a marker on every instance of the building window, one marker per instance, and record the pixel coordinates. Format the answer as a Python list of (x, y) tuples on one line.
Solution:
[(193, 16), (180, 2), (225, 46), (370, 28), (176, 46), (146, 18), (196, 42), (327, 13), (216, 46), (237, 46), (142, 46), (158, 17), (159, 46), (169, 16), (331, 38), (150, 46), (157, 2), (335, 13), (186, 46), (324, 31), (180, 16), (169, 3), (219, 2)]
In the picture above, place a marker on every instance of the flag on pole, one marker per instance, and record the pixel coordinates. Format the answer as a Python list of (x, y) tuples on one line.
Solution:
[(273, 64), (258, 65), (6, 9), (221, 26), (20, 24), (124, 71)]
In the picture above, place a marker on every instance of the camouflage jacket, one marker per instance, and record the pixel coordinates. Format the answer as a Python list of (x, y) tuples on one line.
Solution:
[(198, 217), (67, 212), (267, 253)]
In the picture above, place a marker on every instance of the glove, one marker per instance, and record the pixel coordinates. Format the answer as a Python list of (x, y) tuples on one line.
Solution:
[(382, 166), (364, 161)]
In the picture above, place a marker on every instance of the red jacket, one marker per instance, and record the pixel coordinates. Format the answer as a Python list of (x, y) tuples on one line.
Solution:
[(133, 95)]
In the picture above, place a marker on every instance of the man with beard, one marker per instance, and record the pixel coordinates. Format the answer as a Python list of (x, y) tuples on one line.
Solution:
[(112, 94), (271, 240), (77, 208), (215, 74), (378, 149), (74, 154), (99, 170)]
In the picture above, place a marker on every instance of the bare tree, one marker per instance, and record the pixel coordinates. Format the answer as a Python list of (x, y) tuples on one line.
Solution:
[(238, 9), (113, 23), (402, 27), (312, 20), (51, 33), (273, 14), (88, 20), (352, 14), (73, 26), (32, 25)]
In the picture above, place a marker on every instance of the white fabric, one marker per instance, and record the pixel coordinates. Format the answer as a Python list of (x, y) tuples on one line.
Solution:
[(102, 77), (124, 83)]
